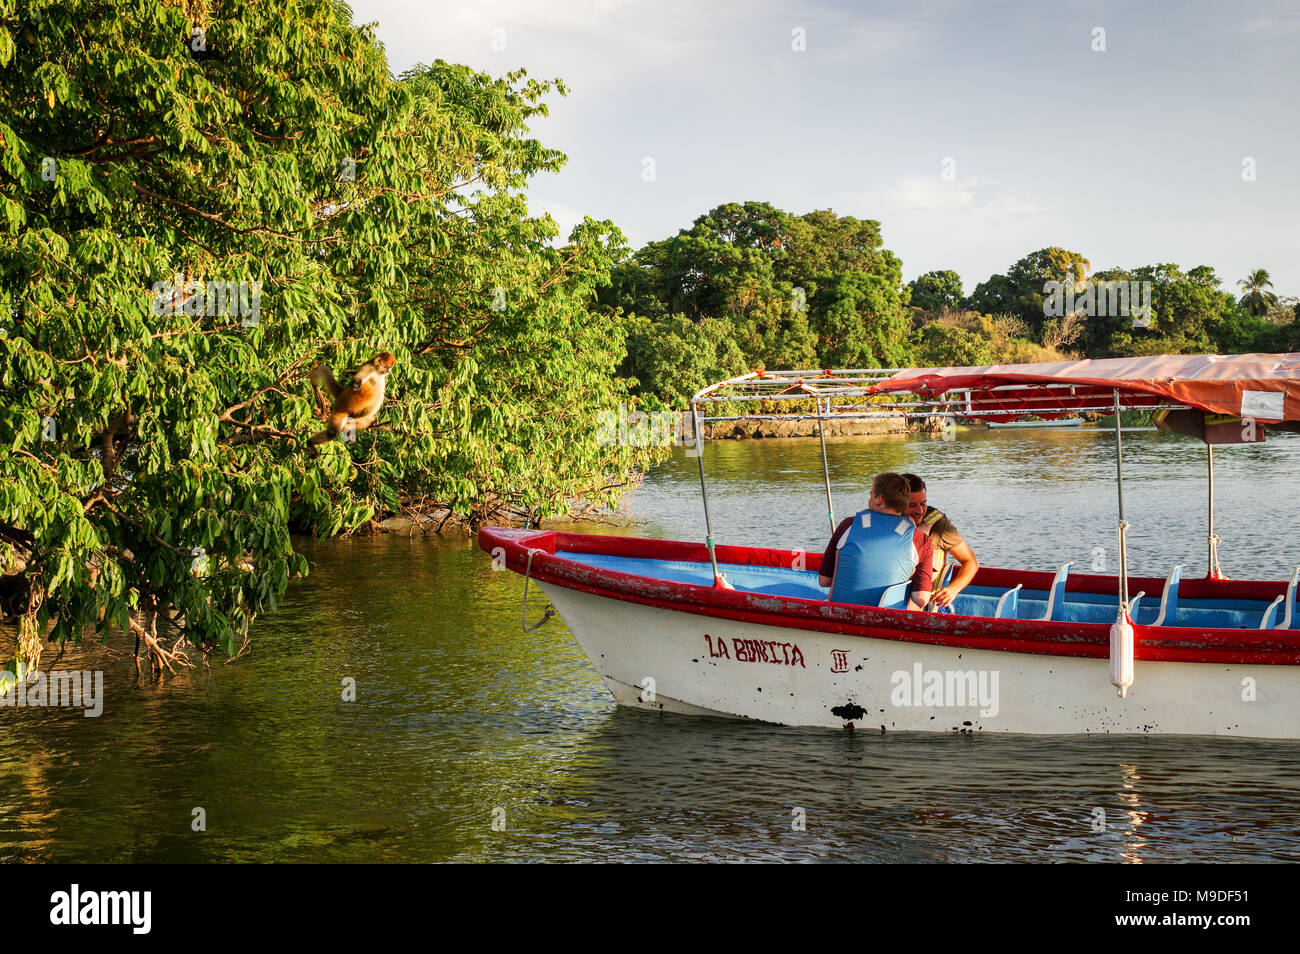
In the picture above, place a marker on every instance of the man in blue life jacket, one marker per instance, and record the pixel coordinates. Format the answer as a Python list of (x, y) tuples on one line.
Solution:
[(878, 548)]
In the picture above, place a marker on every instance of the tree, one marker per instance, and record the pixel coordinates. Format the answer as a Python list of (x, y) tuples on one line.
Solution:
[(1184, 305), (1100, 330), (996, 295), (860, 323), (675, 357), (935, 291), (1021, 291), (789, 291), (1256, 298), (194, 212), (821, 243)]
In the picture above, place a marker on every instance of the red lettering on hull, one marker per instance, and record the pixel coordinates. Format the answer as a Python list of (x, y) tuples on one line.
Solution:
[(755, 651)]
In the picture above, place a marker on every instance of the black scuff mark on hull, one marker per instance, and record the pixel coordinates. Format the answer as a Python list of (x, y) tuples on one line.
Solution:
[(849, 711)]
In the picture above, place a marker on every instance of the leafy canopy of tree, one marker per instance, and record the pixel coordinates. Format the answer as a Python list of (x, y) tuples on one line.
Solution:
[(1020, 291), (936, 290), (751, 286), (669, 356), (261, 143), (1190, 312), (1256, 297), (777, 290)]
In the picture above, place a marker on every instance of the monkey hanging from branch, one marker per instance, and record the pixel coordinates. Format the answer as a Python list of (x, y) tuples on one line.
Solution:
[(355, 404)]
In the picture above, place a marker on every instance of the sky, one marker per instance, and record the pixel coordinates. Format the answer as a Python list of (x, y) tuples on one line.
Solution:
[(975, 133)]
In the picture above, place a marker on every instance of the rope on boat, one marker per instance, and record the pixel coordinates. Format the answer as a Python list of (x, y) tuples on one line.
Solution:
[(1121, 631), (550, 610)]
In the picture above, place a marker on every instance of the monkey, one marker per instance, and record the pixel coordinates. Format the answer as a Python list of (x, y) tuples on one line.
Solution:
[(356, 404)]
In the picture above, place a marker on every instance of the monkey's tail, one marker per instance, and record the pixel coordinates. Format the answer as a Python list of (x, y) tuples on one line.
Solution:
[(323, 377)]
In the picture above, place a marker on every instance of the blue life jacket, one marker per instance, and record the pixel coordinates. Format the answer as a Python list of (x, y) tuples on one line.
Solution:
[(875, 553)]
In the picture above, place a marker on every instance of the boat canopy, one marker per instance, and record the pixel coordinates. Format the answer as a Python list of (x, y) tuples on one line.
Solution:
[(1263, 387)]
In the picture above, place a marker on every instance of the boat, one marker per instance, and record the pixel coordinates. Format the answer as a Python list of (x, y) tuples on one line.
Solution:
[(703, 628), (1063, 422)]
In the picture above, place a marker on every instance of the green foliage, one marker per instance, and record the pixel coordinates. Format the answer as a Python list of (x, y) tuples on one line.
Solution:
[(815, 290), (861, 323), (276, 153), (1020, 291), (676, 357), (1256, 298), (941, 345), (936, 290)]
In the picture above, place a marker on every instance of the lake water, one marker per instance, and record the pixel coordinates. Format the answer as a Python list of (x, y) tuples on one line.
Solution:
[(470, 741)]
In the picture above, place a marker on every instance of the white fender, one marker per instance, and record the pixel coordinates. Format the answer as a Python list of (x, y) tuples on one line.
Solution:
[(1121, 655)]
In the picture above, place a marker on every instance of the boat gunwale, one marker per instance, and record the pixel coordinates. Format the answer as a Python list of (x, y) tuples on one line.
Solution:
[(1032, 637)]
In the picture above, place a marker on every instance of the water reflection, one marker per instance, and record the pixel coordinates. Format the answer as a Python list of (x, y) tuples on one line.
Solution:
[(658, 787)]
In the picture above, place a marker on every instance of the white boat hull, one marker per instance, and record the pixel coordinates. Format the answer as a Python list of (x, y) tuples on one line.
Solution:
[(662, 659)]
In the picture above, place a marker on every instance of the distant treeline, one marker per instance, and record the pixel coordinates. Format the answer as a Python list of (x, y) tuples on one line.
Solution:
[(750, 286)]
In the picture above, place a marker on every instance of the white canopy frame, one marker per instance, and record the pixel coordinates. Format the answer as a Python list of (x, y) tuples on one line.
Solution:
[(849, 387)]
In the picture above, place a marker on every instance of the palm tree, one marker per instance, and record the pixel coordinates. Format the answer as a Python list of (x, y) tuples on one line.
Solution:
[(1255, 298)]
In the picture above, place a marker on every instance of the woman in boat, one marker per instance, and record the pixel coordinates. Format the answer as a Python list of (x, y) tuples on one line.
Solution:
[(946, 540), (878, 549)]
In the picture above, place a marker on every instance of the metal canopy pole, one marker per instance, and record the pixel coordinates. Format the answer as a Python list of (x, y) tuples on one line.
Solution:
[(1215, 571), (1123, 525), (704, 493), (826, 472)]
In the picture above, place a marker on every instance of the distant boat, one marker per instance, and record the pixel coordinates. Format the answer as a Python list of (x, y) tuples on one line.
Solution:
[(1064, 422)]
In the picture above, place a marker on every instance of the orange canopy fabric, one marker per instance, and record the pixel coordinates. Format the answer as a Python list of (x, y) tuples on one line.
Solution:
[(1265, 387)]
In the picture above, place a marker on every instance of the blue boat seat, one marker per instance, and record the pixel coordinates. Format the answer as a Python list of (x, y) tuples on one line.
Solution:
[(1056, 595), (895, 597), (1010, 601), (1169, 598)]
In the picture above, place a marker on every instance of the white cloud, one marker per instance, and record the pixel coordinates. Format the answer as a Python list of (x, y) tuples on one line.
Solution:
[(606, 38), (963, 199)]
